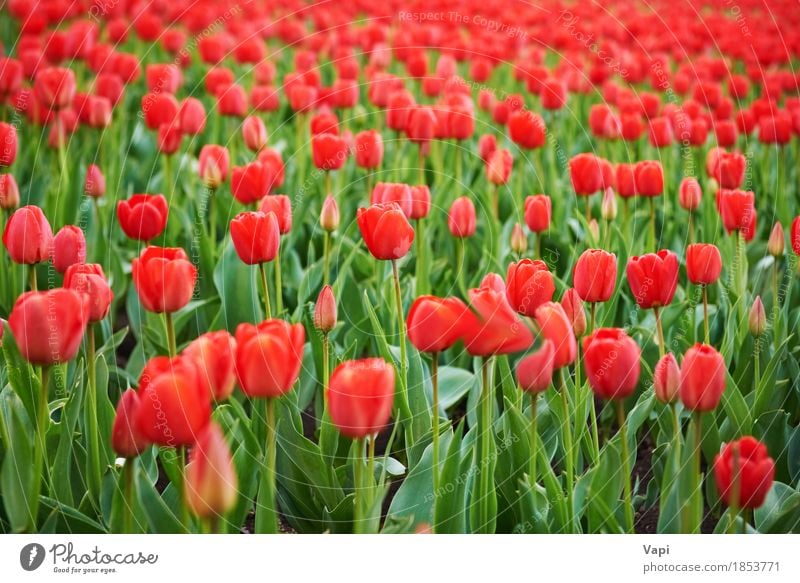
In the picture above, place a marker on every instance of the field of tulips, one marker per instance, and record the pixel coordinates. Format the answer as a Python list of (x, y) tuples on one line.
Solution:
[(433, 267)]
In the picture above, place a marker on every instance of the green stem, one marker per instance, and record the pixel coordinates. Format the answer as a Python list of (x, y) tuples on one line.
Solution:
[(358, 470), (533, 439), (776, 307), (435, 425), (460, 260), (653, 241), (127, 478), (568, 461), (485, 437), (592, 315), (267, 513), (326, 254), (278, 285), (626, 470), (705, 314), (170, 334), (93, 431), (660, 330), (32, 277), (40, 447), (263, 273), (401, 325), (698, 480), (212, 216), (325, 367)]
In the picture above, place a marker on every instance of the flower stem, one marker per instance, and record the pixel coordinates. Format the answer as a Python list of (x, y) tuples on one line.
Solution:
[(660, 330), (567, 439), (267, 509), (705, 313), (358, 470), (267, 309), (401, 325), (127, 479), (626, 470), (326, 257), (92, 427), (533, 438), (171, 345), (697, 421), (435, 428), (40, 447), (278, 285)]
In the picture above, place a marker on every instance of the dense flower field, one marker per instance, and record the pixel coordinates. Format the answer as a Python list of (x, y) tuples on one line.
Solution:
[(399, 266)]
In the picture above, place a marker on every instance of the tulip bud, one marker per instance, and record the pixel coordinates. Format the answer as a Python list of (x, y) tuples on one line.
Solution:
[(594, 230), (461, 219), (254, 133), (702, 378), (744, 473), (758, 318), (126, 439), (608, 208), (667, 379), (573, 308), (329, 216), (9, 192), (69, 247), (210, 486), (535, 371), (519, 242), (95, 184), (776, 243), (325, 310)]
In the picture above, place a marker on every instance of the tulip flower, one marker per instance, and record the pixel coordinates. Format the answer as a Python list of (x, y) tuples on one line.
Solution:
[(360, 395), (95, 183), (143, 217), (8, 144), (653, 279), (519, 242), (126, 440), (256, 238), (213, 353), (329, 221), (461, 218), (69, 247), (252, 182), (89, 279), (703, 267), (595, 277), (254, 133), (535, 375), (210, 485), (757, 320), (281, 206), (590, 174), (529, 284), (268, 360), (572, 304), (329, 153), (744, 473), (28, 238), (391, 192), (368, 149), (666, 379)]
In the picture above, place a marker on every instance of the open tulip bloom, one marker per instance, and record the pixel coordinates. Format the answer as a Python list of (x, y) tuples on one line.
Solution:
[(317, 272)]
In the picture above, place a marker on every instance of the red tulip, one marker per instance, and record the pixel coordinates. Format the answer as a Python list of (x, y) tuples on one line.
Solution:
[(421, 125), (232, 100), (703, 263), (660, 132), (420, 202), (163, 78), (48, 326), (529, 284), (435, 324), (159, 109), (360, 396), (626, 180), (595, 275), (690, 194), (554, 94), (369, 149), (256, 236), (126, 440), (213, 353), (702, 378), (586, 173), (398, 110), (556, 327), (174, 404), (649, 176), (385, 230), (282, 207), (329, 151), (653, 278), (461, 219), (795, 236), (210, 484), (325, 316), (729, 169), (164, 279), (169, 138), (494, 327), (213, 164), (252, 182), (90, 280), (329, 215), (744, 473), (192, 116), (535, 371), (527, 129), (254, 133), (27, 236), (143, 217), (69, 247), (573, 308), (393, 192), (268, 357), (667, 379), (460, 122), (538, 211), (487, 144), (611, 359), (498, 167), (95, 183), (738, 211), (55, 87)]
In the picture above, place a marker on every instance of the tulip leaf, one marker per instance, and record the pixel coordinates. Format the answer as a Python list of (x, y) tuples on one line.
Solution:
[(16, 473), (238, 289)]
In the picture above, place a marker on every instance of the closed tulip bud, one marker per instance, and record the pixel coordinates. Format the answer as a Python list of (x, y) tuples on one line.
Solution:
[(690, 194), (461, 220), (421, 126), (529, 284), (169, 138), (143, 217), (329, 151), (69, 247), (595, 275), (55, 87), (9, 192), (703, 263), (738, 211), (282, 207), (90, 280), (461, 122), (702, 378), (594, 231), (369, 149), (420, 202), (758, 318), (254, 133), (393, 192), (28, 237), (99, 112), (210, 485), (608, 208), (538, 210), (573, 308), (126, 440), (159, 109), (535, 371), (329, 216), (325, 316), (586, 174), (174, 404), (255, 236), (625, 177), (232, 101), (487, 144), (744, 473), (653, 278), (8, 144), (611, 359), (48, 326), (164, 278), (667, 379), (527, 129), (649, 177), (386, 231), (435, 324), (360, 396), (398, 109), (95, 183), (776, 243), (556, 327), (192, 116), (661, 134), (213, 354), (213, 165), (498, 167), (728, 168), (519, 242), (268, 357)]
